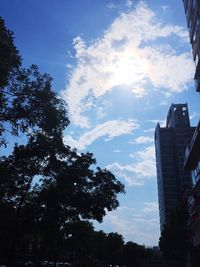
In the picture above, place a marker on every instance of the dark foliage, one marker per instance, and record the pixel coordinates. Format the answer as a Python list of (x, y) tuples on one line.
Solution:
[(46, 188), (27, 101), (10, 59)]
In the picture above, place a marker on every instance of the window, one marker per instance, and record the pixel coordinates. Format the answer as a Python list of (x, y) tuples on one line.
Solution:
[(196, 174), (194, 37), (199, 165), (196, 29), (196, 59)]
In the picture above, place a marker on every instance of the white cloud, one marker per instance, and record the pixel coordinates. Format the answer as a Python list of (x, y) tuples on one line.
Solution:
[(142, 169), (139, 91), (194, 115), (129, 3), (111, 5), (119, 5), (101, 110), (147, 153), (160, 121), (141, 226), (149, 130), (109, 129), (116, 151), (100, 113), (150, 207), (144, 140), (164, 103), (127, 55), (164, 72), (69, 66)]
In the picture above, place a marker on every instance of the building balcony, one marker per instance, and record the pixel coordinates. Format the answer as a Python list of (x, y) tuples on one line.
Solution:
[(192, 153)]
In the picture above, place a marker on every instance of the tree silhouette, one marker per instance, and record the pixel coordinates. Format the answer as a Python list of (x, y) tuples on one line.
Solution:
[(10, 59), (27, 102), (110, 248), (45, 185)]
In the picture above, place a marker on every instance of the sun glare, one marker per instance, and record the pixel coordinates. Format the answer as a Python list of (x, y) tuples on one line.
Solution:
[(127, 69)]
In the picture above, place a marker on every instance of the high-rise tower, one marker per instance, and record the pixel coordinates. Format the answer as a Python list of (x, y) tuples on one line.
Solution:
[(170, 143), (192, 154), (192, 11)]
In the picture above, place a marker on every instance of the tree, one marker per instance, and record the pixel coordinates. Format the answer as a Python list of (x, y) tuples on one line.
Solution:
[(79, 240), (68, 188), (76, 192), (10, 59), (109, 250), (44, 183), (28, 103), (132, 252)]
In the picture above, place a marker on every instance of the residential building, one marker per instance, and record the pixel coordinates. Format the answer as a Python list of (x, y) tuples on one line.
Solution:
[(192, 163), (192, 11), (170, 144), (192, 153)]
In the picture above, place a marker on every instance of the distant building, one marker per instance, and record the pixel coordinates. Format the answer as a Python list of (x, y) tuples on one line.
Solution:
[(170, 144), (192, 11)]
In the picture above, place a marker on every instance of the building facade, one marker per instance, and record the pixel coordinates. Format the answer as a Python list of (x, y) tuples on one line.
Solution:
[(192, 163), (192, 153), (170, 144), (192, 11)]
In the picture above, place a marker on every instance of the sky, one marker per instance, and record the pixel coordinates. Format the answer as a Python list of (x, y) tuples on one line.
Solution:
[(119, 65)]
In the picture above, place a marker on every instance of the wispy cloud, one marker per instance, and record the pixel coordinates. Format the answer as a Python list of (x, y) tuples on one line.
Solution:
[(136, 225), (194, 115), (127, 55), (108, 130), (129, 3), (149, 130), (150, 207), (142, 169), (139, 92), (160, 121), (116, 151), (111, 5), (164, 103), (101, 111), (144, 140)]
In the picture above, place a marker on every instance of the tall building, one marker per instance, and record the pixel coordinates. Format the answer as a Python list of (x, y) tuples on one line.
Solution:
[(192, 11), (192, 163), (192, 153), (170, 143)]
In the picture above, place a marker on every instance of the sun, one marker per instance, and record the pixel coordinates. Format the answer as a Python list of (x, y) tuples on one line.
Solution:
[(127, 68)]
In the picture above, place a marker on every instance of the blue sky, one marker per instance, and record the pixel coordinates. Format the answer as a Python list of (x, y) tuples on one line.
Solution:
[(119, 65)]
